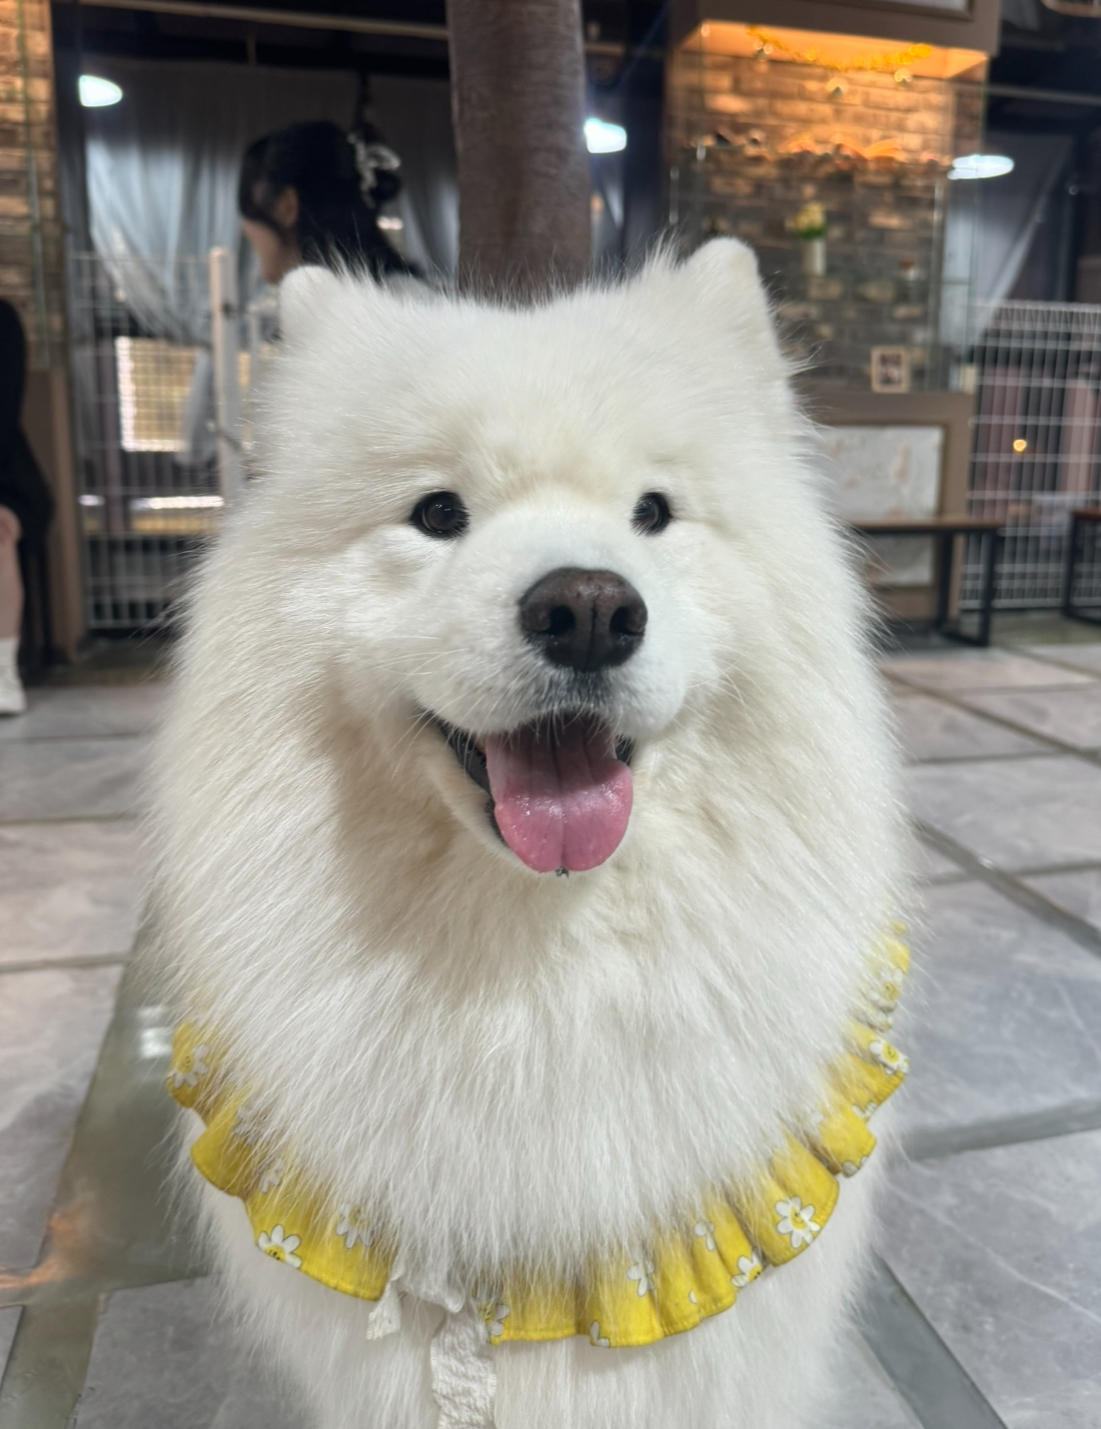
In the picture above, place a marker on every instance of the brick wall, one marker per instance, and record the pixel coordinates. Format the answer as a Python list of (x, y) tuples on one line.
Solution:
[(751, 142), (31, 263)]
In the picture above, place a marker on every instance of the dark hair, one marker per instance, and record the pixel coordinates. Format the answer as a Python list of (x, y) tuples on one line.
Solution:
[(341, 181)]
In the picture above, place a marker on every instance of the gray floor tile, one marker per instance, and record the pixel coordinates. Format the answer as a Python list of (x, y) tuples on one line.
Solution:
[(930, 729), (51, 1027), (932, 866), (1003, 1016), (1001, 1250), (1074, 1404), (1085, 656), (1018, 813), (9, 1321), (1078, 893), (85, 711), (164, 1357), (1072, 716), (866, 1397), (70, 778), (68, 890), (991, 669)]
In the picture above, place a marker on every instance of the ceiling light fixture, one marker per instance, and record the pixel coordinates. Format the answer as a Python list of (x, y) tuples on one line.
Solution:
[(981, 166), (604, 138), (96, 93)]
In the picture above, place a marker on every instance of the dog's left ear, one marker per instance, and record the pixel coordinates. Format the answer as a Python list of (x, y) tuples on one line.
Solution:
[(304, 295), (724, 277), (718, 290), (725, 264)]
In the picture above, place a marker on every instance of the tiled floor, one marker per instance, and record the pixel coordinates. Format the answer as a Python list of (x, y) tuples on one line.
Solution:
[(984, 1308)]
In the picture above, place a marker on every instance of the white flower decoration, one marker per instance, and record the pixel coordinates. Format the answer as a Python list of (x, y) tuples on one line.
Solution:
[(643, 1272), (351, 1228), (888, 1057), (797, 1222), (865, 1112), (198, 1068), (272, 1174), (246, 1124), (280, 1246), (749, 1267), (850, 1168), (497, 1324), (595, 1336), (890, 987), (705, 1231)]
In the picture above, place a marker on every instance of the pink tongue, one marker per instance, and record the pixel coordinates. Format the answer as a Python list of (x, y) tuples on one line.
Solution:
[(561, 802)]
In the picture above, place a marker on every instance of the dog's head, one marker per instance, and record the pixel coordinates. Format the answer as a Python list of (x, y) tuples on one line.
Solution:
[(542, 549)]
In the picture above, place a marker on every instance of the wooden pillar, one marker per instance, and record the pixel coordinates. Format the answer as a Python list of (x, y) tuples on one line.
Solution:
[(518, 92)]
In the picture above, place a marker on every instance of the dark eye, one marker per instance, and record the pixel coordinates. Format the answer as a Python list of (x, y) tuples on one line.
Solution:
[(441, 514), (651, 513)]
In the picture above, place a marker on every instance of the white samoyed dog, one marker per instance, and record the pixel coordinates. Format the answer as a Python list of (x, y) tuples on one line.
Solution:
[(525, 815)]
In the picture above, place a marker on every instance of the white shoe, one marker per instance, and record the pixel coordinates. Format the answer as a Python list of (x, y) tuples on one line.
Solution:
[(13, 697)]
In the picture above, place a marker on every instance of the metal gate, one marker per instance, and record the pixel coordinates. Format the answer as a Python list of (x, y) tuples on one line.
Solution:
[(161, 359), (1036, 454)]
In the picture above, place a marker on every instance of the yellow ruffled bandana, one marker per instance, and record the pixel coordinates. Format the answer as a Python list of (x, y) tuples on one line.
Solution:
[(680, 1277)]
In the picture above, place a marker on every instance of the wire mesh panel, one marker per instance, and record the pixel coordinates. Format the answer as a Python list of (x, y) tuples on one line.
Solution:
[(147, 469), (1036, 455)]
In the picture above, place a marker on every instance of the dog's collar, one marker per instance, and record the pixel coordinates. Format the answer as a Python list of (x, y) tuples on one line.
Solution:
[(671, 1282)]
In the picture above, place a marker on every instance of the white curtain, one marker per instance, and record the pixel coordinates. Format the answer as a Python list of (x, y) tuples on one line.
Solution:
[(163, 164), (415, 118), (162, 171), (991, 225)]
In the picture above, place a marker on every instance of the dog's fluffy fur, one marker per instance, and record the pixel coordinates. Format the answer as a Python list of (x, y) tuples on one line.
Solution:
[(508, 1067)]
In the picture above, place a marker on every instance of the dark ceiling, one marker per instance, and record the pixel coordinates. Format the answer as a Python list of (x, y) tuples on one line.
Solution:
[(1051, 54), (618, 32), (1040, 49)]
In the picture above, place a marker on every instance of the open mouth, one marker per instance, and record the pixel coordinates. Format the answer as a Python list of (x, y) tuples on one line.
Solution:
[(560, 788)]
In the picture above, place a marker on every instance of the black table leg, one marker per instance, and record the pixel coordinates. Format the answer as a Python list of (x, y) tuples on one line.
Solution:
[(989, 567), (1079, 538), (988, 558), (944, 581), (1072, 564)]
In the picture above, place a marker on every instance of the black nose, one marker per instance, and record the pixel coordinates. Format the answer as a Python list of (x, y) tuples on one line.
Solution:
[(583, 619)]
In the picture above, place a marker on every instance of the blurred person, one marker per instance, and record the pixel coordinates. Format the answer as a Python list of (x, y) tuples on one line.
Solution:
[(311, 194), (26, 505)]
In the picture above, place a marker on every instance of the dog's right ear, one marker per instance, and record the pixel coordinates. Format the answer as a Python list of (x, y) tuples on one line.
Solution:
[(304, 294)]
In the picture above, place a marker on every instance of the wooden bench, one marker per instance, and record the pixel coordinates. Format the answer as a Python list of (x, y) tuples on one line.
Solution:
[(945, 530), (1080, 523)]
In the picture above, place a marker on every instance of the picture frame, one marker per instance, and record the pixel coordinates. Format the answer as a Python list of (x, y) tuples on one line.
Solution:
[(890, 369)]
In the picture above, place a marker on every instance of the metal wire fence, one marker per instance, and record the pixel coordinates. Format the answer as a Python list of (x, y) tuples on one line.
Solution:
[(1036, 455), (148, 396)]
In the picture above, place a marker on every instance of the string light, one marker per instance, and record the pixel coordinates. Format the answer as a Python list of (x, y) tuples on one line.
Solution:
[(897, 60)]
